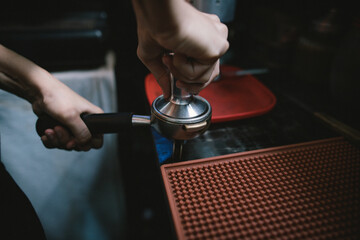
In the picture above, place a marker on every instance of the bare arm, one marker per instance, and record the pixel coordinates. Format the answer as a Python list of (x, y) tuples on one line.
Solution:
[(47, 95)]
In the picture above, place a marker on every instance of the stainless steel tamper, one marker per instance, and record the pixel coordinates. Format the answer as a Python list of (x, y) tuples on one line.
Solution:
[(182, 117)]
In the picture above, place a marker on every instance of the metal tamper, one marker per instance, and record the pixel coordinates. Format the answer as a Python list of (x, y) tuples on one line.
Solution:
[(182, 117)]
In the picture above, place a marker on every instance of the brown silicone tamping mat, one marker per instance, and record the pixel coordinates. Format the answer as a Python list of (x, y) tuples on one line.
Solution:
[(302, 191)]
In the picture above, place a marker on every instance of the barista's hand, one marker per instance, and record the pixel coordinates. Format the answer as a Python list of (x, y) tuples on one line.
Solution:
[(66, 106), (197, 40), (48, 95)]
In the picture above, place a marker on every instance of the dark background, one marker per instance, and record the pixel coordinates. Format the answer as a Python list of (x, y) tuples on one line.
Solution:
[(311, 49)]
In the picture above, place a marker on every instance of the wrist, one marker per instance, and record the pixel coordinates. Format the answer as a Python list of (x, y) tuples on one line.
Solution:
[(159, 16), (24, 78), (38, 84)]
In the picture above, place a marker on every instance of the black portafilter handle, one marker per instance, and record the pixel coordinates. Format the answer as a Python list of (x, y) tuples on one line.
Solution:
[(97, 123)]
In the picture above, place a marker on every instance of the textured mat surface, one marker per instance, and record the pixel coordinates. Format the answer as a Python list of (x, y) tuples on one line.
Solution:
[(302, 191)]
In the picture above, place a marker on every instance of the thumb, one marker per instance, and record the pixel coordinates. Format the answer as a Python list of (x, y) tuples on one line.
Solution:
[(78, 127), (161, 74), (79, 130)]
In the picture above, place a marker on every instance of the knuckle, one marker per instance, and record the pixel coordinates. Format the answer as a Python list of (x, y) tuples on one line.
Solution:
[(215, 17), (224, 30), (191, 77), (140, 54)]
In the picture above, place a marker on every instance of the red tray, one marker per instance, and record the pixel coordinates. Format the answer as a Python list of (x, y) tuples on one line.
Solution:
[(231, 97)]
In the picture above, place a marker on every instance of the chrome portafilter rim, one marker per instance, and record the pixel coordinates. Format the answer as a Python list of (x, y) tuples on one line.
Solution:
[(200, 110), (180, 128), (181, 117)]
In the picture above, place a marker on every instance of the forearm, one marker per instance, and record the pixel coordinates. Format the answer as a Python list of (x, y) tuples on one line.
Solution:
[(20, 76)]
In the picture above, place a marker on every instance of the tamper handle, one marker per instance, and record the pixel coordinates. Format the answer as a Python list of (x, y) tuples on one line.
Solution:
[(178, 95)]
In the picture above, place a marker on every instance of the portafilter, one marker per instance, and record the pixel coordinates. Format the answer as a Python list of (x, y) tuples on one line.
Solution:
[(181, 117)]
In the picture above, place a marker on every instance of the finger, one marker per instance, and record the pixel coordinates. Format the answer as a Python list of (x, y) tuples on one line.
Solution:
[(163, 80), (79, 130), (183, 81), (222, 31), (160, 72), (71, 144), (52, 138), (46, 142), (220, 27), (63, 135), (202, 82), (216, 71), (97, 141), (189, 68), (82, 148), (162, 76), (192, 86)]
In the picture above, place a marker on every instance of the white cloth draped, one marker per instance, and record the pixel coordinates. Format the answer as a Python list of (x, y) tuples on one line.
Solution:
[(77, 195)]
